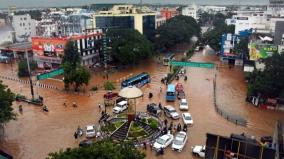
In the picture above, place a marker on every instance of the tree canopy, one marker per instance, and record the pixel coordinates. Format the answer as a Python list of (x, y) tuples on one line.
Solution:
[(6, 100), (178, 29), (23, 68), (270, 81), (101, 150), (128, 46), (213, 36), (74, 73)]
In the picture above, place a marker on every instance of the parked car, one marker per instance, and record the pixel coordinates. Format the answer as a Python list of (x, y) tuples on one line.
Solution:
[(120, 99), (187, 119), (197, 48), (179, 141), (154, 109), (163, 142), (110, 95), (198, 151), (181, 94), (171, 112), (183, 105), (90, 131), (86, 143), (120, 107)]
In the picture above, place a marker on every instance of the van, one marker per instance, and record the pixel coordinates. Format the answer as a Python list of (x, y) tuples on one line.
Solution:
[(120, 107)]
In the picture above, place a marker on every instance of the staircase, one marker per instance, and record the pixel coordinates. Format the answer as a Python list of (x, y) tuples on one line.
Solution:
[(153, 133), (121, 133)]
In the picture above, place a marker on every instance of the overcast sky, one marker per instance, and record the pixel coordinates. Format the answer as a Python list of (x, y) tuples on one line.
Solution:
[(49, 3)]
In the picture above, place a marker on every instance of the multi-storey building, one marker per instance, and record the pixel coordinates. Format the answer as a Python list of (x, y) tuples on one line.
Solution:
[(126, 16), (25, 27), (190, 11), (48, 51)]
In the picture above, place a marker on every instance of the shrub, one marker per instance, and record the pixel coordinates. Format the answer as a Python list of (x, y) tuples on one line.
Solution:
[(109, 86), (94, 88)]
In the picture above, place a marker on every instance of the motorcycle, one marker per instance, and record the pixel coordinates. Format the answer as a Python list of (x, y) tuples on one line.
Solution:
[(80, 132), (44, 108), (185, 78)]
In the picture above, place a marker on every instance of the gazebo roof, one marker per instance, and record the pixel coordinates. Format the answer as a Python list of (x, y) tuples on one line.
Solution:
[(130, 92)]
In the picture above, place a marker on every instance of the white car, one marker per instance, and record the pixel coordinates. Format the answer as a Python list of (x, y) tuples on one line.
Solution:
[(163, 142), (187, 119), (183, 104), (171, 112), (199, 151), (90, 132), (179, 141), (120, 107)]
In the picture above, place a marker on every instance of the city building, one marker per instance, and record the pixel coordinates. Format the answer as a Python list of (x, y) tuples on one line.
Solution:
[(159, 20), (279, 36), (63, 24), (238, 146), (48, 51), (2, 22), (213, 9), (25, 27), (169, 13), (7, 34), (190, 11), (228, 43), (126, 16)]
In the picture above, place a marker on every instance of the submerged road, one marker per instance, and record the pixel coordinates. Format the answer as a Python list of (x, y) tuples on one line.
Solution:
[(35, 133)]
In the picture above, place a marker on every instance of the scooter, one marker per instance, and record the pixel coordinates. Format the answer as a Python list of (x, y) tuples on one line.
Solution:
[(80, 132), (44, 108)]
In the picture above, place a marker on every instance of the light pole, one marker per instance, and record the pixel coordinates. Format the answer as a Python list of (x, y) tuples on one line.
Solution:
[(30, 79)]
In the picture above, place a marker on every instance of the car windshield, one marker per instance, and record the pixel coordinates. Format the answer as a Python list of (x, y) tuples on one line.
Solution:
[(178, 142), (172, 110), (161, 141), (187, 117), (183, 103), (89, 131)]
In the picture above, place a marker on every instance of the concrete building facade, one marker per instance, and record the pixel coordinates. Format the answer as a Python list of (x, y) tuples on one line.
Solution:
[(25, 27), (190, 11)]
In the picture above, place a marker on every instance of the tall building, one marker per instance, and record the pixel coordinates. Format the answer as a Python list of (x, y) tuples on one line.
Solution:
[(190, 11), (48, 51), (276, 3), (126, 16), (25, 27)]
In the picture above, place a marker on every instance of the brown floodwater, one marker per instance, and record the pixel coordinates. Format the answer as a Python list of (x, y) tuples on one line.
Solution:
[(36, 133)]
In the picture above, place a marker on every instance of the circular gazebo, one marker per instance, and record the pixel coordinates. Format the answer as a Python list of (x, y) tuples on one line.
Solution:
[(131, 93)]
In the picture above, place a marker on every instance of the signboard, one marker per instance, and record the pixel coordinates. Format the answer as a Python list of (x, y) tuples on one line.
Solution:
[(261, 51), (50, 74), (48, 44), (192, 64)]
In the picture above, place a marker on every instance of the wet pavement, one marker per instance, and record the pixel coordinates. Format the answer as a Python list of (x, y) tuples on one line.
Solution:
[(37, 133)]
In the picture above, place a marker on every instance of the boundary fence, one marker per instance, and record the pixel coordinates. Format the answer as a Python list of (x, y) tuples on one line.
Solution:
[(230, 117)]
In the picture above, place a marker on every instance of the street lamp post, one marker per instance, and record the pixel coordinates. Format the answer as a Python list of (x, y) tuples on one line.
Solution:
[(30, 79)]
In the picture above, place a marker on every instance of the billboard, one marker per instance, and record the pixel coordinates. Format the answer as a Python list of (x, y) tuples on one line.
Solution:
[(48, 46), (261, 51)]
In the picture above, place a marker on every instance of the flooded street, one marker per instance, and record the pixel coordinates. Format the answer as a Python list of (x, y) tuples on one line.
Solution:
[(37, 133)]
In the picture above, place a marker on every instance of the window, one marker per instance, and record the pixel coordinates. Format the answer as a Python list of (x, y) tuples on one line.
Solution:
[(20, 24), (23, 24), (25, 18)]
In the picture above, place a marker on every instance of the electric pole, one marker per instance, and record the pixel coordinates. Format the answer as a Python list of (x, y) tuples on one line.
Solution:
[(30, 78)]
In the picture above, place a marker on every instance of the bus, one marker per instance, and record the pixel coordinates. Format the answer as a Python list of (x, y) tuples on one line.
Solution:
[(168, 58), (171, 93), (138, 80)]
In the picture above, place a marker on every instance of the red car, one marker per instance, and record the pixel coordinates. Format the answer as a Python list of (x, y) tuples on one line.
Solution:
[(110, 95), (179, 87)]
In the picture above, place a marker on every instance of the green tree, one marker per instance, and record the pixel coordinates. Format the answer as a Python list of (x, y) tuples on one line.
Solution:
[(70, 62), (270, 81), (23, 68), (242, 47), (82, 76), (176, 30), (128, 46), (105, 149), (6, 100), (109, 86), (219, 27)]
